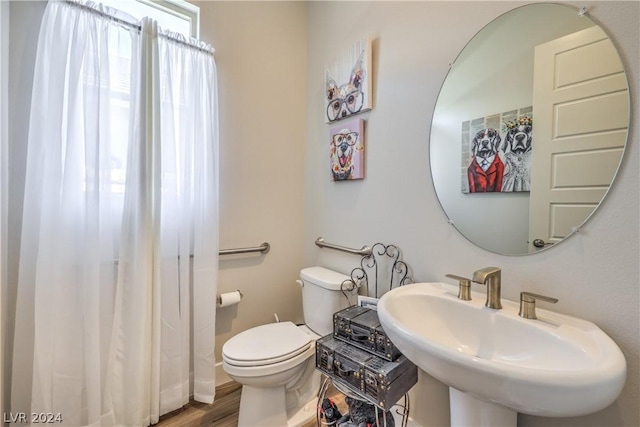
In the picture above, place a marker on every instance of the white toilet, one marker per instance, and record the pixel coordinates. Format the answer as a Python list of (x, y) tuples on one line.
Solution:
[(275, 363)]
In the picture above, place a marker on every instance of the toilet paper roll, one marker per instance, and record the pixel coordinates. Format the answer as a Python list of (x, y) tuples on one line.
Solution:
[(229, 298)]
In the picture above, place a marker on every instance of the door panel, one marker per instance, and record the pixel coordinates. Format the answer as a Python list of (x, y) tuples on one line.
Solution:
[(581, 115)]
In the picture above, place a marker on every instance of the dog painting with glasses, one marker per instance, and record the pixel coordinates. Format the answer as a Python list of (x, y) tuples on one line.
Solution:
[(348, 83), (346, 152)]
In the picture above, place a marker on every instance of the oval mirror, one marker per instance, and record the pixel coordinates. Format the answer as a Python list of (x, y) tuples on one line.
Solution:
[(529, 128)]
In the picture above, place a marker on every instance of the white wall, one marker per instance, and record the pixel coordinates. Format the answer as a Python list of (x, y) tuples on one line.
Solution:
[(4, 51), (261, 57), (261, 62), (594, 274), (25, 20)]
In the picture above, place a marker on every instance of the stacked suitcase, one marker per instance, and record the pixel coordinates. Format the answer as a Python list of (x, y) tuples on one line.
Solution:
[(360, 355)]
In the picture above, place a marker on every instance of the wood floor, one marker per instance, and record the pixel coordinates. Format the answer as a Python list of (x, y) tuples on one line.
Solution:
[(221, 413)]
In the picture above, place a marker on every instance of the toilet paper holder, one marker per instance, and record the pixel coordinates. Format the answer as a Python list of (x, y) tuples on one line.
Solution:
[(219, 297)]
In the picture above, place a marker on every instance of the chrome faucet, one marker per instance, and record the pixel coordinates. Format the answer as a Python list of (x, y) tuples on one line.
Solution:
[(491, 277)]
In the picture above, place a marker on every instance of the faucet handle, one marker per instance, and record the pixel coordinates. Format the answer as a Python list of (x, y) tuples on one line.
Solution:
[(528, 304), (464, 286)]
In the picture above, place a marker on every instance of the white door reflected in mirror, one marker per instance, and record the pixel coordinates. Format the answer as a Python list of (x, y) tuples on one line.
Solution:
[(581, 104)]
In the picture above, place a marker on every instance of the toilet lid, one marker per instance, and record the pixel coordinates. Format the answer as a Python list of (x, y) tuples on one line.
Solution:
[(266, 344)]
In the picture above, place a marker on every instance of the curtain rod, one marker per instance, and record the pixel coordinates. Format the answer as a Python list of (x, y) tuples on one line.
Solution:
[(137, 27)]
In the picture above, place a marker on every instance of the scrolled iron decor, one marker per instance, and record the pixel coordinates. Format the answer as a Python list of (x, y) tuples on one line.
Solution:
[(372, 272)]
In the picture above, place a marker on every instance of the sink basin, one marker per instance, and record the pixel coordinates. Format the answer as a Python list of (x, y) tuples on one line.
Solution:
[(555, 366)]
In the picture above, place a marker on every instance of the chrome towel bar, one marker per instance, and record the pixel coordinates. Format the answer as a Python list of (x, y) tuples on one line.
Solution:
[(365, 250)]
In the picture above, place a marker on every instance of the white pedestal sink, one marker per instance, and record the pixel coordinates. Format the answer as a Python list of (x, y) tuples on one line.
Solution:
[(497, 363)]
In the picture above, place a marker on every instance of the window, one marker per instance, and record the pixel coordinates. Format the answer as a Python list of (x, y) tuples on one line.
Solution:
[(174, 15), (178, 16)]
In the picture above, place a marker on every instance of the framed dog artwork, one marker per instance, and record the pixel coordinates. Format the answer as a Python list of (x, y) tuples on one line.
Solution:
[(496, 152), (348, 83), (346, 150)]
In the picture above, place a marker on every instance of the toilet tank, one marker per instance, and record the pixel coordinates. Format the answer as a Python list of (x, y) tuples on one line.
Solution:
[(321, 297)]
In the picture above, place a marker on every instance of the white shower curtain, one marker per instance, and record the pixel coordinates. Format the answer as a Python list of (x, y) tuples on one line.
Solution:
[(119, 248)]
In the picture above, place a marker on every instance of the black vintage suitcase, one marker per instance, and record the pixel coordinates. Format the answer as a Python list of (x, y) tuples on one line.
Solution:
[(361, 327), (380, 381), (386, 382), (341, 361)]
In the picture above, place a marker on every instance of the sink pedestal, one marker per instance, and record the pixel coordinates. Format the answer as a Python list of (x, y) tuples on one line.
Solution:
[(467, 410)]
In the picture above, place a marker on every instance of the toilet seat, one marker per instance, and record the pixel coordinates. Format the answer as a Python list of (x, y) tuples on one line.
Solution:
[(266, 345)]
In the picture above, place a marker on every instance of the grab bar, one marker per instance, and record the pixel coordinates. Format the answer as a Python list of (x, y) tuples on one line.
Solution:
[(365, 250), (263, 248)]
